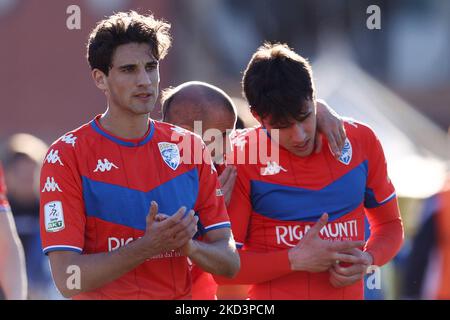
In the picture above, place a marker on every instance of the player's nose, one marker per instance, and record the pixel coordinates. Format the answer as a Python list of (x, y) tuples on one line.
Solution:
[(298, 133), (143, 78)]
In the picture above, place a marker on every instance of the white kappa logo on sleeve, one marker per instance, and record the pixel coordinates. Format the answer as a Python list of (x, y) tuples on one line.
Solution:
[(54, 216), (53, 157), (51, 185), (69, 139)]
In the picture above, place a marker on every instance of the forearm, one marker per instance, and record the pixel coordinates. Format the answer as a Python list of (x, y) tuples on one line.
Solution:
[(219, 257), (386, 236), (385, 242), (257, 267), (13, 277), (97, 270), (13, 274)]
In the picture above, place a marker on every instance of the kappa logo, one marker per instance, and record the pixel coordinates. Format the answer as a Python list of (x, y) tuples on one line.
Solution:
[(53, 157), (104, 165), (69, 139), (346, 154), (170, 154), (272, 168), (51, 185)]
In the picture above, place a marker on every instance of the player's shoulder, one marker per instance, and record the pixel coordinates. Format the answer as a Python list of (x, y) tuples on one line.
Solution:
[(241, 138), (170, 132), (358, 130), (70, 141)]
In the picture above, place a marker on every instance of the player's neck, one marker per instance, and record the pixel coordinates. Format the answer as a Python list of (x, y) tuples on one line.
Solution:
[(127, 126)]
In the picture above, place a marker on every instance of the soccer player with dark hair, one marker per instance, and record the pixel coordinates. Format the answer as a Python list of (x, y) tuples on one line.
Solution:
[(285, 253), (103, 184), (210, 108)]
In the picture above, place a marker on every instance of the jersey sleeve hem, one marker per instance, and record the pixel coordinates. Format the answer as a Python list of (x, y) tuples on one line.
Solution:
[(224, 224), (48, 249)]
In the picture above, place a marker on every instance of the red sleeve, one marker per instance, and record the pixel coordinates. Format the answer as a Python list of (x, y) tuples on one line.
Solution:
[(240, 207), (4, 205), (210, 204), (386, 232), (379, 188), (386, 228), (62, 215), (259, 267)]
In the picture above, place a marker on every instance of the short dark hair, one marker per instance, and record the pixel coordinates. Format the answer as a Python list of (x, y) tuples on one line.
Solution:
[(122, 28), (278, 82)]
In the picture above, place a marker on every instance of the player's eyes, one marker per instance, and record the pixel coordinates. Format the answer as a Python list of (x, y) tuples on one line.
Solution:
[(151, 67), (127, 69)]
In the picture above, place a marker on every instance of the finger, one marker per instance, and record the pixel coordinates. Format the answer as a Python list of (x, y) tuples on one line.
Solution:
[(184, 235), (342, 134), (315, 229), (335, 279), (354, 269), (174, 219), (318, 142), (348, 258), (161, 217), (183, 224), (341, 246), (353, 251), (152, 212), (348, 280), (333, 145)]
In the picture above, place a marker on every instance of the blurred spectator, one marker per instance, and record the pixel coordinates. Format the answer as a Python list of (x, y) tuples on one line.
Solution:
[(22, 157), (13, 282), (427, 273)]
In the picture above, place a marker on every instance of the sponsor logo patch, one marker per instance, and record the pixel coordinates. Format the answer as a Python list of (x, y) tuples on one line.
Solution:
[(54, 216)]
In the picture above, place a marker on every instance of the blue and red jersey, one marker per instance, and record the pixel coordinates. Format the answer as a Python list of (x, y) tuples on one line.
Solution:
[(274, 202), (96, 190)]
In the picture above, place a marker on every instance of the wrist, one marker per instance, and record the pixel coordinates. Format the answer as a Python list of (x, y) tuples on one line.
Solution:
[(141, 249), (190, 248)]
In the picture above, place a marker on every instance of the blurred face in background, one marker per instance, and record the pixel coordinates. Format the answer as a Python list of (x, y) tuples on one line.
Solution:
[(22, 180), (219, 144)]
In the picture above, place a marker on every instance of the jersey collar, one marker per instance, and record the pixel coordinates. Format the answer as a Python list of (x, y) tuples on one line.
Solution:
[(95, 124)]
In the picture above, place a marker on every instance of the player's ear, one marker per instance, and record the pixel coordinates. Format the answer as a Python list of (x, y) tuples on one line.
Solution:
[(99, 79)]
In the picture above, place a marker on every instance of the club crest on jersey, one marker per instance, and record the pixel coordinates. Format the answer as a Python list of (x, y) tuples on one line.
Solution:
[(170, 154), (346, 153)]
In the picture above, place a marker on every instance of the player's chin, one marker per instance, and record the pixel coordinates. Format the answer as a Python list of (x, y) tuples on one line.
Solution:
[(142, 108), (303, 152)]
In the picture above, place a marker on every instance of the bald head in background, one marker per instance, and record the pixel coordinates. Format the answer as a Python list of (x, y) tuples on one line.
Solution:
[(199, 101)]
